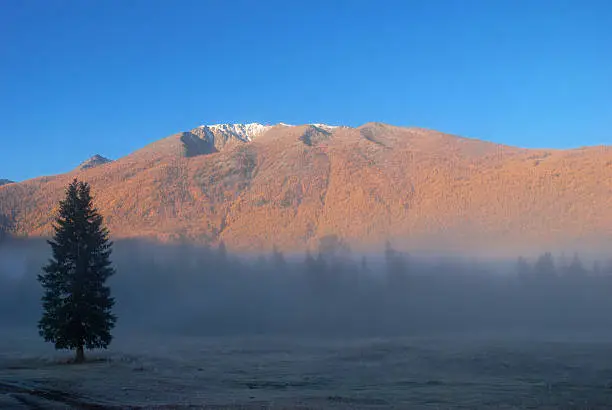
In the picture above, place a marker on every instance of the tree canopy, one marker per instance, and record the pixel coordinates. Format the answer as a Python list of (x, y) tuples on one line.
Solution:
[(77, 304)]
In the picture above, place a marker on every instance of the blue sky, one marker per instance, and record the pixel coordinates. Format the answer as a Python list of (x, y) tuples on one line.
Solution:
[(80, 77)]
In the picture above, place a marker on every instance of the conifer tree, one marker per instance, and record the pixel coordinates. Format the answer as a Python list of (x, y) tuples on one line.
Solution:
[(576, 268), (545, 266), (396, 268), (4, 227), (278, 259), (222, 252), (523, 269), (310, 262), (77, 304)]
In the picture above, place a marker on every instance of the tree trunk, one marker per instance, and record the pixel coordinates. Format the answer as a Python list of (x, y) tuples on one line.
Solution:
[(80, 355)]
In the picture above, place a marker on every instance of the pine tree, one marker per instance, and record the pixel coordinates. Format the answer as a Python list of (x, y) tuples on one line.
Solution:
[(576, 268), (4, 227), (76, 302), (364, 263), (309, 261), (545, 266), (278, 259), (523, 269), (222, 252), (396, 268)]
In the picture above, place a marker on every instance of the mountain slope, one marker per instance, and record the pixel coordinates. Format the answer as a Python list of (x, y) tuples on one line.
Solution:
[(291, 185)]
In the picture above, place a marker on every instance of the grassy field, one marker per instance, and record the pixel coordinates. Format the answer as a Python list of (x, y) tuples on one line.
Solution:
[(510, 371)]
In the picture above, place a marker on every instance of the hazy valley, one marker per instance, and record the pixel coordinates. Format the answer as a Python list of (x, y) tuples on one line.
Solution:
[(327, 267)]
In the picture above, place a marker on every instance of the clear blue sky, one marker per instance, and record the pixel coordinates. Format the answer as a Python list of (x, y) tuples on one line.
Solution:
[(79, 77)]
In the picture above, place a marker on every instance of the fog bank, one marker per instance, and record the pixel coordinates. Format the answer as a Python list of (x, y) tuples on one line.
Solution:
[(186, 289)]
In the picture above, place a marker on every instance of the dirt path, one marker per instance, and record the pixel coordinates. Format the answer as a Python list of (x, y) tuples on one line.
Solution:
[(18, 397)]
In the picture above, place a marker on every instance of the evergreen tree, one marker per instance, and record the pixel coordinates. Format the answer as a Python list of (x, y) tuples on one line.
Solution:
[(396, 268), (4, 226), (278, 259), (309, 261), (523, 269), (222, 252), (313, 270), (321, 264), (364, 263), (545, 266), (76, 302), (576, 268)]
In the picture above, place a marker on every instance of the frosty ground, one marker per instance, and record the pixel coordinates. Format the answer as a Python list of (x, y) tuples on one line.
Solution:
[(509, 371)]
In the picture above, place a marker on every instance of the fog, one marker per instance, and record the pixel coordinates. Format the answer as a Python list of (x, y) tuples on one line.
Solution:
[(186, 289)]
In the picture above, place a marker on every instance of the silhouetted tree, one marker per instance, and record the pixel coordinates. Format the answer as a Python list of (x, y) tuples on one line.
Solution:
[(523, 270), (5, 226), (316, 271), (389, 251), (396, 267), (545, 266), (321, 264), (332, 247), (364, 263), (222, 252), (77, 304), (576, 267), (278, 259), (562, 265)]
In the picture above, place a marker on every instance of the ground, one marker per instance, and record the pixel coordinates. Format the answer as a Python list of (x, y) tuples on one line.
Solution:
[(436, 372)]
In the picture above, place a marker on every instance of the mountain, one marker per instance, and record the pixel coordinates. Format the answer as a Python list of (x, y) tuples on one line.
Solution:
[(254, 186), (5, 182), (92, 162)]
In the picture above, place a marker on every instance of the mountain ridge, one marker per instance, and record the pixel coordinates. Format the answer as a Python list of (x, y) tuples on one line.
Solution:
[(291, 185)]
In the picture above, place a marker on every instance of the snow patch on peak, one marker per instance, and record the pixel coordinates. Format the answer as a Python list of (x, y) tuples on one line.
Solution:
[(325, 126), (220, 134), (244, 132), (318, 125)]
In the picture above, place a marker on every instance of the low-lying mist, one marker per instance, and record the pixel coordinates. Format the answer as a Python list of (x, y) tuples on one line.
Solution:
[(194, 290)]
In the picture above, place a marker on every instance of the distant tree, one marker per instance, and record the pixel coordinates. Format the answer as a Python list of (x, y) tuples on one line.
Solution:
[(364, 263), (310, 267), (389, 251), (309, 261), (523, 270), (76, 302), (316, 270), (562, 265), (396, 267), (278, 259), (5, 226), (333, 247), (321, 263), (222, 252), (545, 266), (576, 268)]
